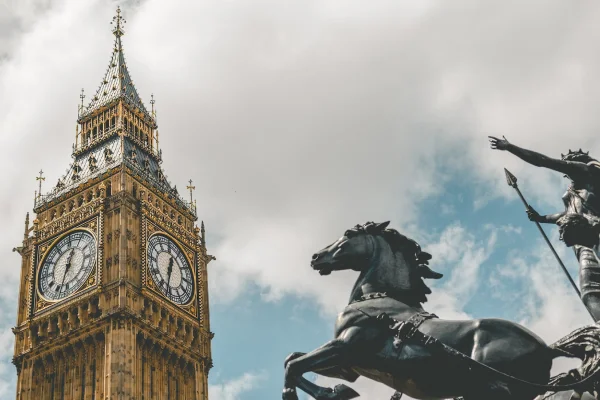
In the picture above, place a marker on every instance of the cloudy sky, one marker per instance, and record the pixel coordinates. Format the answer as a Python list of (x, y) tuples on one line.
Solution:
[(299, 119)]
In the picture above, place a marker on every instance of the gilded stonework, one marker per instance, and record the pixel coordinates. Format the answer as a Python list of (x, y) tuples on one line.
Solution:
[(167, 222)]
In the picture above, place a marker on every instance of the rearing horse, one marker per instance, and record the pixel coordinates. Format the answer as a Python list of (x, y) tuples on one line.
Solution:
[(392, 268)]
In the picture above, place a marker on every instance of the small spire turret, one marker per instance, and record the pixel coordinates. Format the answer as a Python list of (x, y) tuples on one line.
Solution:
[(26, 234)]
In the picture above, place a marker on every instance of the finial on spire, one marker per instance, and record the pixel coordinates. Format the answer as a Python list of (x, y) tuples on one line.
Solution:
[(40, 179), (191, 188), (118, 21), (81, 96), (203, 233), (152, 101)]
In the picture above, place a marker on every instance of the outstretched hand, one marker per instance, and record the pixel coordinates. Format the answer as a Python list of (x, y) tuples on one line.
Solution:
[(498, 144)]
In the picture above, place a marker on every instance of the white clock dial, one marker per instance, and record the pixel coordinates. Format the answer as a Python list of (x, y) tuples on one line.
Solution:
[(170, 270), (68, 265)]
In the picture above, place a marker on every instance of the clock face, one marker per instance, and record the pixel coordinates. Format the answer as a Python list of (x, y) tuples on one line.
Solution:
[(170, 270), (68, 265)]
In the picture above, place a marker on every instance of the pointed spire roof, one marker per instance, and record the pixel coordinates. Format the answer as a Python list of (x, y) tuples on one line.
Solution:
[(117, 82)]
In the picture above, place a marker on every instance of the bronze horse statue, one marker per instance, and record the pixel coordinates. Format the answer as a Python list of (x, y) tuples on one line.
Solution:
[(384, 334)]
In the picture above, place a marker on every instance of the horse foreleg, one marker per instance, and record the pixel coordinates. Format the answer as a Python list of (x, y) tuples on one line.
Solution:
[(337, 372), (328, 356)]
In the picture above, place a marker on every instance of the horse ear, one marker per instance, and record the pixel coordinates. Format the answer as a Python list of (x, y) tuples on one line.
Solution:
[(383, 225)]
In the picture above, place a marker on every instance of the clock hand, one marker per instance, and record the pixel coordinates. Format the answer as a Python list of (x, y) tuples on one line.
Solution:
[(67, 266), (169, 271)]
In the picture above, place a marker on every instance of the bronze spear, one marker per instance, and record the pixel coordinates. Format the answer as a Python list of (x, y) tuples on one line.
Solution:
[(512, 181)]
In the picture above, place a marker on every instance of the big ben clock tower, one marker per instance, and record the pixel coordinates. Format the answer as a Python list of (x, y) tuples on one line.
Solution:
[(113, 300)]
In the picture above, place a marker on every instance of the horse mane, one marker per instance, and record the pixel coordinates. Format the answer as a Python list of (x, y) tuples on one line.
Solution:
[(401, 243)]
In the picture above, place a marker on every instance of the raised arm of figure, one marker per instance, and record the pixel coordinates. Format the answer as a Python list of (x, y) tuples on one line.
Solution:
[(570, 168), (545, 219)]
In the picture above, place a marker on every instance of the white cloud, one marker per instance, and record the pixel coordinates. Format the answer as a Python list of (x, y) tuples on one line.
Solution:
[(459, 254), (299, 120), (235, 388)]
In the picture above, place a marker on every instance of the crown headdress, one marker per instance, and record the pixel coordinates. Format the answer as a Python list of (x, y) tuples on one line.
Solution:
[(573, 155)]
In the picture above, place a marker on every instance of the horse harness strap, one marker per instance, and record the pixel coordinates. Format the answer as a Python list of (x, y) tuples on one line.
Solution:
[(408, 332), (403, 330)]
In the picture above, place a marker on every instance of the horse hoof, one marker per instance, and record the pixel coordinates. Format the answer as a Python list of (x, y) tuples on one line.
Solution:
[(289, 394), (340, 392)]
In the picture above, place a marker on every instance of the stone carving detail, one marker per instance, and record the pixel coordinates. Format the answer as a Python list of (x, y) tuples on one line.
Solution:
[(163, 219), (68, 220)]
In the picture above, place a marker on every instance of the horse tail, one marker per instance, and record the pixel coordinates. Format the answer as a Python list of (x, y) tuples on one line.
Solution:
[(583, 343), (580, 343), (556, 352)]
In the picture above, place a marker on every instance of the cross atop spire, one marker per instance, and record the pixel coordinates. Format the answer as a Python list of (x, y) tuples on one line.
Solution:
[(191, 188), (117, 82), (81, 96), (40, 178), (118, 21)]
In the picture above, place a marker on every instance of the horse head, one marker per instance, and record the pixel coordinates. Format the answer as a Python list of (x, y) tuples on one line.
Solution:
[(387, 261)]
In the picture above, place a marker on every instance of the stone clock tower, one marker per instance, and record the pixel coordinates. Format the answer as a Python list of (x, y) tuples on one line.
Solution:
[(113, 300)]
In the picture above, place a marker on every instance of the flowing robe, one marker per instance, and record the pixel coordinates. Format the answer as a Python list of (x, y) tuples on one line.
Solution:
[(583, 198)]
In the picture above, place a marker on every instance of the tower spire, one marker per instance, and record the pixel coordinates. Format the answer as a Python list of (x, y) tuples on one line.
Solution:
[(117, 82)]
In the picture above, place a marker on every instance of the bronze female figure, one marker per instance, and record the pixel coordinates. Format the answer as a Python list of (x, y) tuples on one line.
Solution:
[(582, 198)]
